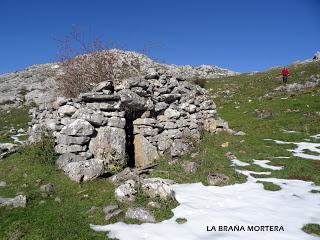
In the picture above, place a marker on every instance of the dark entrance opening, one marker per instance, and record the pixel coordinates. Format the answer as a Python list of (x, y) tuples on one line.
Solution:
[(130, 116)]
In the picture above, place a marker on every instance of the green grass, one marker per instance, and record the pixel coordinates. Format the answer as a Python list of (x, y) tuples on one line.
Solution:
[(50, 220), (315, 191), (211, 158), (313, 229), (69, 218), (270, 186), (14, 118)]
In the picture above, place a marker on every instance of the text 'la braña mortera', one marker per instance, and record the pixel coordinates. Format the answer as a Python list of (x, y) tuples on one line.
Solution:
[(239, 228)]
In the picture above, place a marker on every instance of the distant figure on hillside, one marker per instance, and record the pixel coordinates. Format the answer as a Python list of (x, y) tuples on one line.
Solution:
[(285, 73)]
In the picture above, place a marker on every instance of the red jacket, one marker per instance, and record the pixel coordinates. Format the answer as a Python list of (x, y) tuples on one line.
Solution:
[(285, 71)]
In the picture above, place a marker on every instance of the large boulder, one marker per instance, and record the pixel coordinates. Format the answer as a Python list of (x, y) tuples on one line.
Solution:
[(145, 152), (18, 201), (140, 214), (157, 187), (126, 192), (110, 146), (84, 170)]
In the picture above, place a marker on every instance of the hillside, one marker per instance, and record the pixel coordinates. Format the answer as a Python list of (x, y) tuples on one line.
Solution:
[(280, 145), (37, 83)]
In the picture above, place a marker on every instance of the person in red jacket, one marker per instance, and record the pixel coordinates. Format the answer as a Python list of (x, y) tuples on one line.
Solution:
[(285, 73)]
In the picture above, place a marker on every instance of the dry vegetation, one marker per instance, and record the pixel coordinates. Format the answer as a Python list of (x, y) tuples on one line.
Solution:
[(83, 63)]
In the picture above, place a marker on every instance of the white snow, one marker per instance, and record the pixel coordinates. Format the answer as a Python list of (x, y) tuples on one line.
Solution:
[(288, 131), (237, 162), (246, 204), (316, 136), (248, 173), (264, 164), (243, 205), (299, 151)]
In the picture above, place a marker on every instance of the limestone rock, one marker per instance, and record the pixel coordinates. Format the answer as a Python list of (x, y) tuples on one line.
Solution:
[(111, 211), (132, 100), (98, 96), (66, 158), (18, 201), (70, 140), (93, 117), (154, 187), (3, 184), (180, 147), (189, 167), (84, 170), (141, 214), (105, 85), (126, 191), (160, 106), (210, 125), (109, 146), (47, 189), (145, 152), (67, 110), (171, 113), (116, 122), (153, 204), (217, 179), (62, 148), (78, 127), (124, 175), (152, 74)]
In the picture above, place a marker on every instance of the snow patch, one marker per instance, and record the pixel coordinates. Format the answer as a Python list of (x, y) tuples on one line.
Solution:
[(299, 151), (289, 131), (264, 164), (237, 162), (246, 204), (316, 136)]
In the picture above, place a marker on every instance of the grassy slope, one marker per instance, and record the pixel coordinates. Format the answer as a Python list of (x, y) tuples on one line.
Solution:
[(70, 220), (14, 118), (247, 90)]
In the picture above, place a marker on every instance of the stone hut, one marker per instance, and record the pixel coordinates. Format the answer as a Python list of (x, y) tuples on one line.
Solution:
[(126, 123)]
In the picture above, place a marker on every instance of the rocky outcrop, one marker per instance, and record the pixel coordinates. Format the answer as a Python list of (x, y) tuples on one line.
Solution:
[(6, 149), (157, 187), (140, 214), (37, 83), (18, 201), (316, 56), (126, 192), (137, 119), (314, 81)]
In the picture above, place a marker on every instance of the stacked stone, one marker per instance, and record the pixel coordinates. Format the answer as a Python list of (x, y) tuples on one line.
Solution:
[(91, 131)]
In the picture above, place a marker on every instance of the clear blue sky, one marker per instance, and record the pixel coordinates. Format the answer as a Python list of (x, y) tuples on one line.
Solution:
[(243, 35)]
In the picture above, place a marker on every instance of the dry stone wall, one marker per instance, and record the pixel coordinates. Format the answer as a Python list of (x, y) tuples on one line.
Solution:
[(127, 123)]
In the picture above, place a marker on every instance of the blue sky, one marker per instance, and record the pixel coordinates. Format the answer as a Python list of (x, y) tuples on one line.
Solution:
[(242, 35)]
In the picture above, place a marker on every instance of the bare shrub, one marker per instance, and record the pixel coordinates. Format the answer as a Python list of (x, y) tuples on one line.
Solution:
[(83, 63)]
